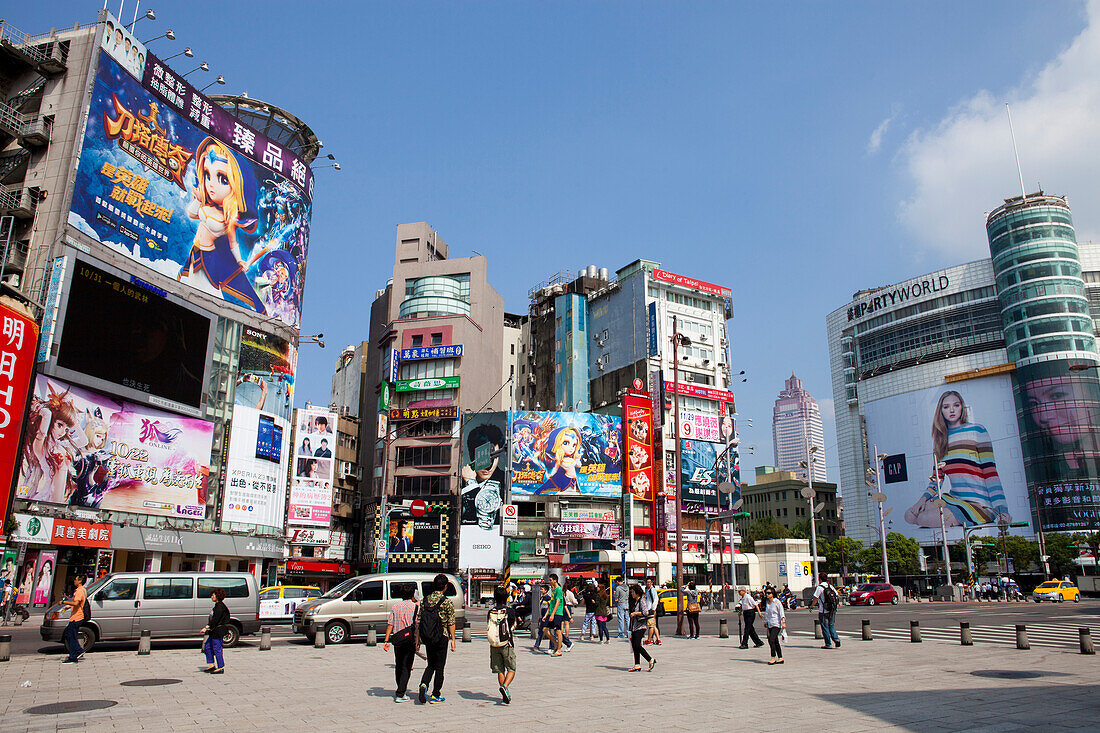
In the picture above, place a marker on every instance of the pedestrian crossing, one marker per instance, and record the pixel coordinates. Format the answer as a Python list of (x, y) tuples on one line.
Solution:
[(1043, 635)]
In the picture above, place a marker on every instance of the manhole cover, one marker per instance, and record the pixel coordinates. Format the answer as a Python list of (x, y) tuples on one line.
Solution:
[(149, 683), (70, 706), (1007, 674)]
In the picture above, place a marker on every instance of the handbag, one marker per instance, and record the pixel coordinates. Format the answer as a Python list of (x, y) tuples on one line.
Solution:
[(402, 636), (694, 608)]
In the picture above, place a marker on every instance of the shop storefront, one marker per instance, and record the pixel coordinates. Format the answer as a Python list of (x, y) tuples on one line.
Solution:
[(143, 549), (322, 573), (50, 550)]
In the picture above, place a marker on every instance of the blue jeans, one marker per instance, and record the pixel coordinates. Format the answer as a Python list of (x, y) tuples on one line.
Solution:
[(71, 643), (623, 616), (828, 628), (589, 624), (601, 626), (213, 650)]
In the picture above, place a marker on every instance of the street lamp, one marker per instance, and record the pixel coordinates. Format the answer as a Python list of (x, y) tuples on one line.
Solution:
[(170, 35), (185, 52), (678, 339), (203, 66), (940, 504), (879, 497), (317, 338), (333, 164), (809, 494), (220, 80)]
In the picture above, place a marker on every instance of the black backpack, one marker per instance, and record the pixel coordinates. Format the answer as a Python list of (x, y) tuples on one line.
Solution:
[(830, 601), (431, 624)]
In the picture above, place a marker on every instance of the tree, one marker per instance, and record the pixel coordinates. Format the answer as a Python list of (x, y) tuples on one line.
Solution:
[(1024, 552), (763, 529), (841, 555), (1063, 554), (903, 554), (800, 531)]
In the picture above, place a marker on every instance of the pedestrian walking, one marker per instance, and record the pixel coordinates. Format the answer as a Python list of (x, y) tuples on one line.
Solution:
[(828, 601), (775, 621), (76, 617), (5, 603), (622, 608), (500, 631), (640, 613), (555, 613), (544, 624), (748, 608), (653, 635), (691, 598), (570, 599), (589, 594), (603, 611), (216, 626), (401, 632), (435, 628)]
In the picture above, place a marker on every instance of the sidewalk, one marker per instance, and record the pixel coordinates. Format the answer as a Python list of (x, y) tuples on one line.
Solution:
[(706, 684)]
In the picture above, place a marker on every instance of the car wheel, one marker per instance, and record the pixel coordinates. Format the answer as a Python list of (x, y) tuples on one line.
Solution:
[(871, 601), (1037, 600), (894, 601), (85, 636), (336, 633), (1077, 598), (231, 637)]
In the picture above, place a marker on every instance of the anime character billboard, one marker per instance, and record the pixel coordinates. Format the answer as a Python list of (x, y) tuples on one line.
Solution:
[(88, 450), (481, 544), (969, 430), (172, 181), (566, 454)]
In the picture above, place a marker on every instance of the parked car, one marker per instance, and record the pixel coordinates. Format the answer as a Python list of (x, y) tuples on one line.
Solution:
[(873, 594), (1057, 591), (169, 605), (277, 602), (359, 603)]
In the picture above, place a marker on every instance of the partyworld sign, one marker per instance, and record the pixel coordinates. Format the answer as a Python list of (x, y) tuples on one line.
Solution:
[(913, 290)]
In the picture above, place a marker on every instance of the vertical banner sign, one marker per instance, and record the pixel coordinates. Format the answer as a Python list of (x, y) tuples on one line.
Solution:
[(314, 469), (53, 302), (638, 424), (653, 340), (18, 342), (480, 544)]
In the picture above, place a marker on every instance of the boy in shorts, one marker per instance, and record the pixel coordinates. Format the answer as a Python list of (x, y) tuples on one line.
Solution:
[(502, 651)]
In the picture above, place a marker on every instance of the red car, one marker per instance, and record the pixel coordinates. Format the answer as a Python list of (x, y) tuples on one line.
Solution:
[(873, 593)]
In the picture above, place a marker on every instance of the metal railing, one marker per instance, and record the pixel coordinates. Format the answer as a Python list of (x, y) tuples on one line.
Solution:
[(12, 36)]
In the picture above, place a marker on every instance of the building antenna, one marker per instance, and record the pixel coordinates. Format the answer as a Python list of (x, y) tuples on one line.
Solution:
[(1019, 169)]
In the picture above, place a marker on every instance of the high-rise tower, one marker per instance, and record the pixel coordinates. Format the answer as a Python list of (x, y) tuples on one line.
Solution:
[(796, 425)]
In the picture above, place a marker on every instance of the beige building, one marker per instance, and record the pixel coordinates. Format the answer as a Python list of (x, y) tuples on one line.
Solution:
[(777, 494)]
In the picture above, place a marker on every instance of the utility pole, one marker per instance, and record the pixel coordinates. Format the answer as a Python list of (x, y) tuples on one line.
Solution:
[(879, 468), (676, 450)]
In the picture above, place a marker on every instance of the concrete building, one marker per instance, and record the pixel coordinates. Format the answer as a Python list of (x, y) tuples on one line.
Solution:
[(776, 494), (796, 427), (1000, 336), (71, 232)]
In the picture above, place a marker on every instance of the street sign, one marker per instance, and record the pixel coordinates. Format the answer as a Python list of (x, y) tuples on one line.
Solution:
[(418, 507), (622, 545), (509, 520), (727, 517), (481, 456), (638, 383), (381, 545)]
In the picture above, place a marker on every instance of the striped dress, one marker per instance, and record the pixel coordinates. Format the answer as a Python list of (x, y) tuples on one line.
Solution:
[(975, 495)]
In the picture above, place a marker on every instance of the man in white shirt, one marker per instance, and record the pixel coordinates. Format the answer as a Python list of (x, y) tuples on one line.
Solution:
[(826, 613), (653, 635), (748, 608)]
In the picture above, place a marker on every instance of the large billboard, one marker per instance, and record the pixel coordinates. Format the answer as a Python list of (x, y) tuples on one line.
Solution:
[(1058, 412), (18, 342), (638, 420), (86, 449), (415, 535), (566, 454), (171, 180), (480, 544), (259, 435), (970, 427), (699, 474), (311, 489)]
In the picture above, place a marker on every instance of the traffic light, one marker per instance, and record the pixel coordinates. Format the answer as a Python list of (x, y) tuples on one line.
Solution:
[(513, 551), (741, 515)]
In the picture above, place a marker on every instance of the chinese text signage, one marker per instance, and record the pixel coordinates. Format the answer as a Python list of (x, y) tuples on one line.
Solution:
[(431, 352), (18, 342)]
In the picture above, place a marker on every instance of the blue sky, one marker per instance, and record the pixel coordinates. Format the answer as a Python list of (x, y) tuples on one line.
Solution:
[(795, 152)]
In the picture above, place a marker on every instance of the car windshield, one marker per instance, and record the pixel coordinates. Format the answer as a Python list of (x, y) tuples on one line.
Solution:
[(1048, 586), (342, 588), (865, 587), (96, 585)]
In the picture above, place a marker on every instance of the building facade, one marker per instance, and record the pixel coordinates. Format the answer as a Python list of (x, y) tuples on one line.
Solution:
[(796, 427), (936, 373), (172, 372), (777, 495)]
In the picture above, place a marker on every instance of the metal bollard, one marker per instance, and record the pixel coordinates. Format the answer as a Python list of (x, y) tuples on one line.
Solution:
[(319, 639), (867, 636), (5, 647), (1086, 642), (817, 629), (372, 636), (18, 619), (914, 632), (965, 637), (723, 629), (145, 643), (1021, 637), (265, 638), (466, 633)]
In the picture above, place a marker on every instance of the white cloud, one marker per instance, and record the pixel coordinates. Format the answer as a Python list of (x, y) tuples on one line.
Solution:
[(964, 167), (875, 141)]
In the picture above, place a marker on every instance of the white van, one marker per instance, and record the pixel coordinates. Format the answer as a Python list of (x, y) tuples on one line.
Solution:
[(169, 605), (359, 603)]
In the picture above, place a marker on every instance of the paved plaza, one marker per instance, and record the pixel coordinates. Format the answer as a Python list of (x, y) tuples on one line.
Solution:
[(706, 684)]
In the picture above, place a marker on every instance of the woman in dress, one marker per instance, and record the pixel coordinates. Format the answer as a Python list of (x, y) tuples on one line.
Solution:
[(48, 452)]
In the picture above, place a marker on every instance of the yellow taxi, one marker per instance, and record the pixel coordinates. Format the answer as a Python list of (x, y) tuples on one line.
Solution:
[(1057, 591), (277, 602), (666, 601)]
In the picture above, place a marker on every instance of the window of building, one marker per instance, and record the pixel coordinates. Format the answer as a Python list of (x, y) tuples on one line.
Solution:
[(424, 455), (429, 429), (426, 368), (437, 339), (513, 349), (423, 485), (418, 340)]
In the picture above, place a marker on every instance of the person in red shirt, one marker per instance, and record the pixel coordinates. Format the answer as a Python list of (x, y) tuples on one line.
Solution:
[(76, 616)]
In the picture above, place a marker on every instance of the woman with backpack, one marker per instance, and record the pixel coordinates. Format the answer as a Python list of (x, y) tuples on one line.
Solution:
[(401, 631), (640, 612)]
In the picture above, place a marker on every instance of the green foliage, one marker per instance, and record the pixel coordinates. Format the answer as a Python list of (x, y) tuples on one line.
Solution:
[(903, 554), (762, 529), (1063, 552), (800, 531), (841, 555)]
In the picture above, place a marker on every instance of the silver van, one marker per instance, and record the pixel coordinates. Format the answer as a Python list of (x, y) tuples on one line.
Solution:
[(169, 605), (359, 603)]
